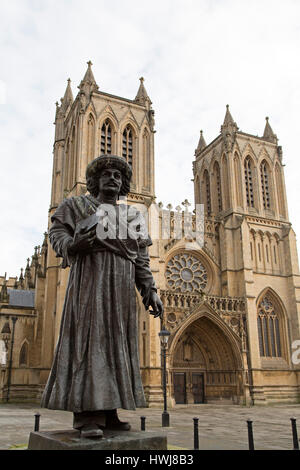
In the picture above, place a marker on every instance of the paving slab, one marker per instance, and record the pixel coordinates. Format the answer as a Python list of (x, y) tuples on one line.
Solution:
[(221, 427)]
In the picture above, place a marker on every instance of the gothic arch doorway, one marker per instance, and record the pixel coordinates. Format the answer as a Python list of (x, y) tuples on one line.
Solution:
[(205, 365)]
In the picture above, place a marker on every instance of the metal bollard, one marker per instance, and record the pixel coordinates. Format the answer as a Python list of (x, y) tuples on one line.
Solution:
[(250, 435), (196, 433), (143, 423), (37, 422), (295, 434)]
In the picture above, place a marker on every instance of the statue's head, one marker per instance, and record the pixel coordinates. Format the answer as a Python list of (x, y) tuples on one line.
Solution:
[(103, 162)]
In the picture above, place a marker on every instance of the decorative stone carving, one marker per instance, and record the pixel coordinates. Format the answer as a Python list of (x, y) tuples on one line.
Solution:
[(186, 273), (180, 306)]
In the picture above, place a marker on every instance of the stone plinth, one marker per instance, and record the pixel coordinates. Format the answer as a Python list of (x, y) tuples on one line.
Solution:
[(70, 440)]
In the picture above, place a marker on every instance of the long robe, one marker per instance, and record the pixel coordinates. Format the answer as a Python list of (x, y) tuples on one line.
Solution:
[(96, 361)]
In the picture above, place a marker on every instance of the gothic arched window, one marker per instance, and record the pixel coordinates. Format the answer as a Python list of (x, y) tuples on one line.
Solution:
[(265, 184), (207, 191), (218, 185), (23, 357), (106, 137), (268, 329), (249, 182), (127, 144)]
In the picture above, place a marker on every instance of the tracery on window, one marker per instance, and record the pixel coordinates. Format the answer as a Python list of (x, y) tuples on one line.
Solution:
[(207, 191), (218, 185), (249, 182), (127, 144), (265, 185), (106, 137), (268, 329), (186, 273)]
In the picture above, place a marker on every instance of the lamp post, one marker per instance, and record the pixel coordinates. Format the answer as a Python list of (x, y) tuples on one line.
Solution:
[(164, 337), (14, 319)]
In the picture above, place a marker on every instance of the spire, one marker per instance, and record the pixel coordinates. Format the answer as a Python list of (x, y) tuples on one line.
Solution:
[(3, 293), (142, 95), (268, 133), (201, 144), (28, 270), (62, 111), (35, 257), (228, 130), (21, 279), (228, 118), (68, 99), (228, 124), (88, 84)]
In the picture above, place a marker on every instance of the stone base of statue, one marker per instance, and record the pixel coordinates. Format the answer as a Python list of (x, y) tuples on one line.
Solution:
[(112, 440)]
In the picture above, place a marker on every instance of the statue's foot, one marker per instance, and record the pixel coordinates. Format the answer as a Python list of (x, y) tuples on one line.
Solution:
[(91, 431), (113, 422), (90, 423), (120, 426)]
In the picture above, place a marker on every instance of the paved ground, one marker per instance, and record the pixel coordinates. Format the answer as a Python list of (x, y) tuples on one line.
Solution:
[(221, 427)]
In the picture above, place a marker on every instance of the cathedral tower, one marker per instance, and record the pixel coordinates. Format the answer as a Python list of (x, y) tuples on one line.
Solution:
[(98, 123), (239, 178)]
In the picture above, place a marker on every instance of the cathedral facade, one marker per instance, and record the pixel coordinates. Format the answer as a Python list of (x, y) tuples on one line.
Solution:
[(231, 303)]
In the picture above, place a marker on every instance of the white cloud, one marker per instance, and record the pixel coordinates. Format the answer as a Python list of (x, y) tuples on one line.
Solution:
[(196, 56)]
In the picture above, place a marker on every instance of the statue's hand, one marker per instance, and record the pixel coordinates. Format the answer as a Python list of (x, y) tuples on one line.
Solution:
[(156, 304), (83, 241)]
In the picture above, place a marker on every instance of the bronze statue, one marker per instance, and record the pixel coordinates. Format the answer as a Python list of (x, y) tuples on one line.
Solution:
[(96, 364)]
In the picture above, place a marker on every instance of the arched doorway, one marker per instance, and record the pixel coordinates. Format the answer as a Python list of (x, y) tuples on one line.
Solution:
[(205, 364)]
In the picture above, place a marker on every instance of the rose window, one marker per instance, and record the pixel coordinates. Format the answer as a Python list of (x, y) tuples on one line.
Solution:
[(186, 273)]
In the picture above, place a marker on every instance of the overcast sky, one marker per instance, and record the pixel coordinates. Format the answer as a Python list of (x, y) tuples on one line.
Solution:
[(196, 56)]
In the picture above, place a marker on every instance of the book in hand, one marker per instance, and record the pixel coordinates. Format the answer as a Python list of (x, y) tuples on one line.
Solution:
[(85, 225)]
